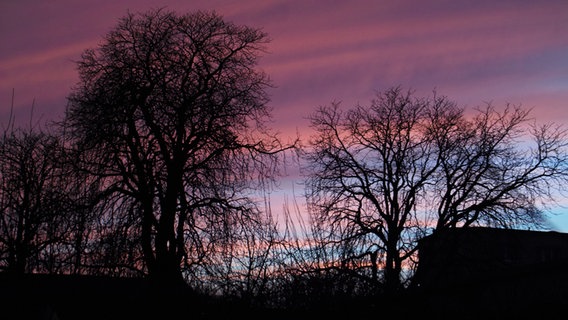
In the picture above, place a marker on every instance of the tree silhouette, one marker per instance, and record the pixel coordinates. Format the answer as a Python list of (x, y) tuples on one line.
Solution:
[(169, 114), (496, 169), (44, 209), (380, 177)]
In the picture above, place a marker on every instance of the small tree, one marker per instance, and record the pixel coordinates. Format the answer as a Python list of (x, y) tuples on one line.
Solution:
[(382, 176), (42, 221), (169, 113)]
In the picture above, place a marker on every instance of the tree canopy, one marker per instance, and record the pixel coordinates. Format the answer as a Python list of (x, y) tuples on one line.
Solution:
[(381, 176), (170, 112)]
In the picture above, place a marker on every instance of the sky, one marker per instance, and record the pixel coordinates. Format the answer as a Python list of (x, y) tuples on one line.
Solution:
[(321, 51)]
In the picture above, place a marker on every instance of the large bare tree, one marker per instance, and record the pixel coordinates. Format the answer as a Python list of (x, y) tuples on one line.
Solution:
[(170, 113), (381, 176)]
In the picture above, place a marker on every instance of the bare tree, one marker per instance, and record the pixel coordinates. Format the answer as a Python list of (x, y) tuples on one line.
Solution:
[(170, 114), (382, 176), (42, 221), (498, 169)]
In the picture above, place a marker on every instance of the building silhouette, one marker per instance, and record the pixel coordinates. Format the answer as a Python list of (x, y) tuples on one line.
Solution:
[(490, 271)]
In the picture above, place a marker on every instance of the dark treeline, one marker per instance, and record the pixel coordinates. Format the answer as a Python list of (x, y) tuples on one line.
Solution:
[(159, 166)]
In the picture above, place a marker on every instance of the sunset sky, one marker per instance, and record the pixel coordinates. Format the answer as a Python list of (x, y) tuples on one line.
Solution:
[(321, 51)]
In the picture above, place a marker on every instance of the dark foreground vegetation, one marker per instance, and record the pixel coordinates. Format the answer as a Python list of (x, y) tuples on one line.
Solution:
[(469, 273), (39, 297)]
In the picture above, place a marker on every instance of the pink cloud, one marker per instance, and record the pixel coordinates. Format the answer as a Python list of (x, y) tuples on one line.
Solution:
[(471, 51), (324, 51)]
